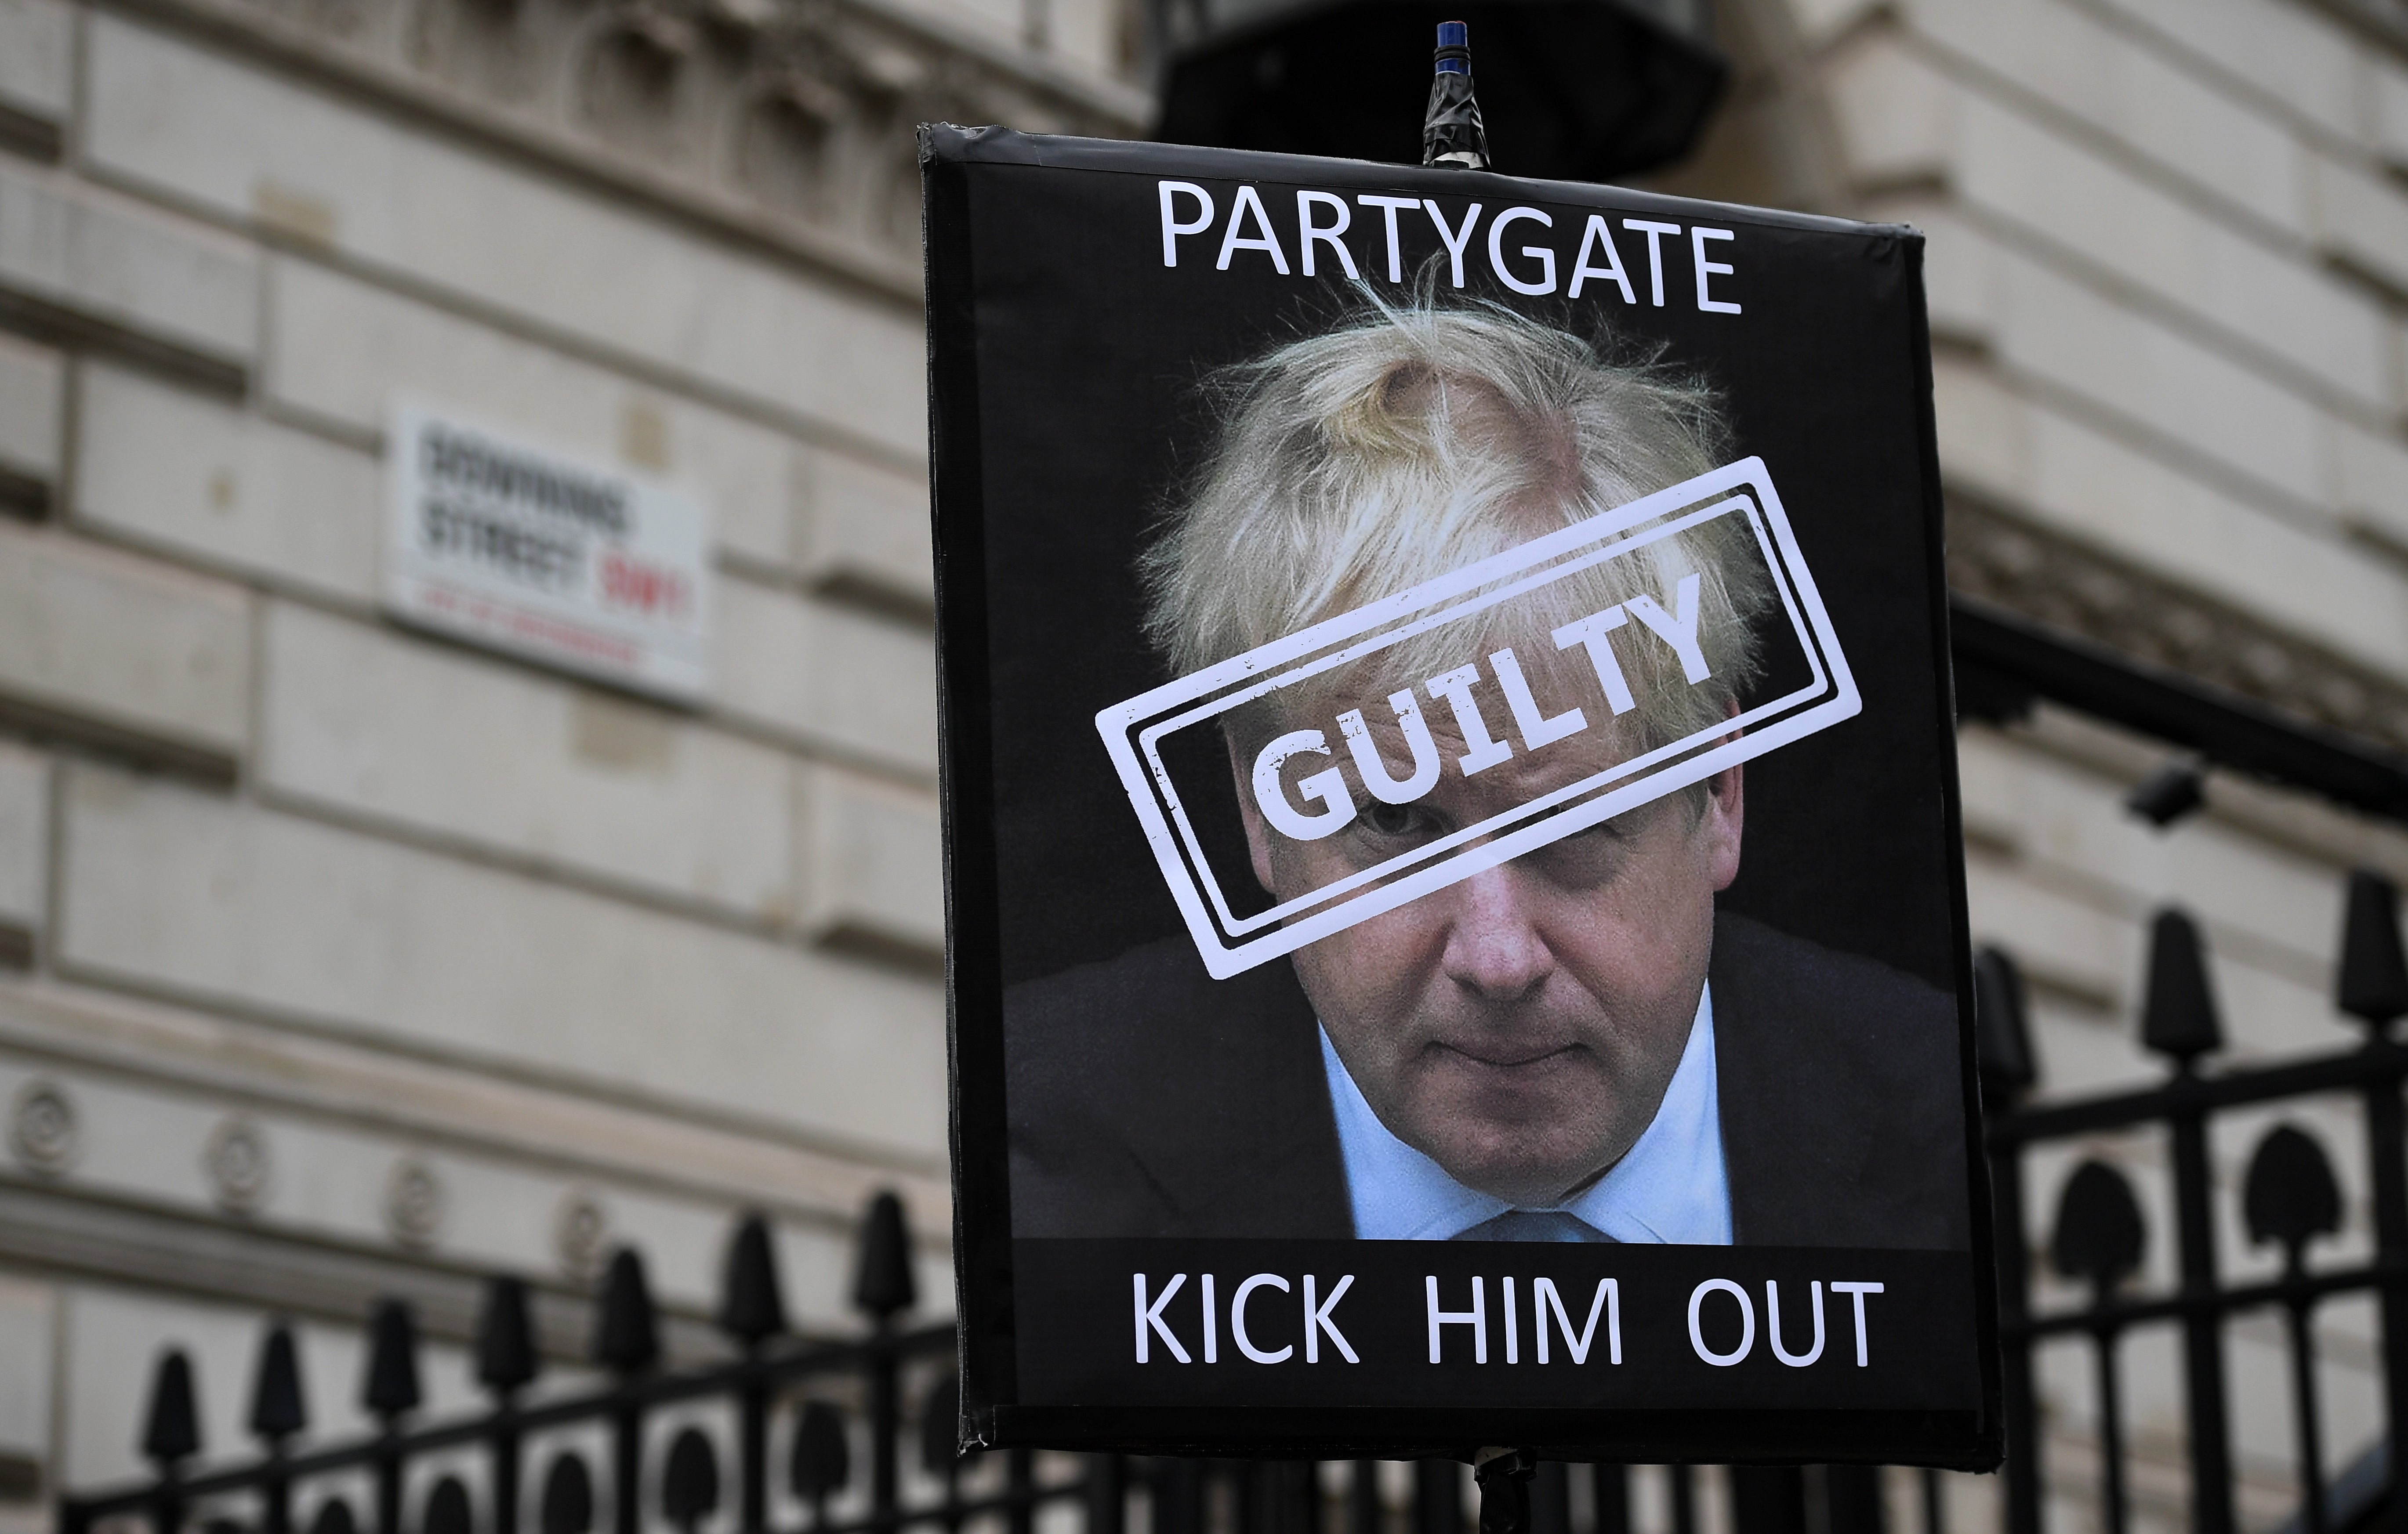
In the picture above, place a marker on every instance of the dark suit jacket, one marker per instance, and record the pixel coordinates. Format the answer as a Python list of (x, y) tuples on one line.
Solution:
[(1148, 1099)]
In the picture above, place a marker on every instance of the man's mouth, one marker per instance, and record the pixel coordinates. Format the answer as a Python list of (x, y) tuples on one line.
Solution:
[(1510, 1058)]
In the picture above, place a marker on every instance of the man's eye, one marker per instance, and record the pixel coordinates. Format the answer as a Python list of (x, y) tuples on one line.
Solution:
[(1610, 830), (1395, 820)]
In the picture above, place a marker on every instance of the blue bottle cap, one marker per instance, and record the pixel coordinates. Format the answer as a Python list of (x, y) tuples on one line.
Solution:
[(1454, 48)]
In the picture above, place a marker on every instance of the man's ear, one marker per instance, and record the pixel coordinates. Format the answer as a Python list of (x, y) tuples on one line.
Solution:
[(1725, 806), (1726, 816), (1258, 836)]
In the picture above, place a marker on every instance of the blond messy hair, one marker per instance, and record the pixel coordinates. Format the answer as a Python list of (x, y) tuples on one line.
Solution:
[(1413, 441)]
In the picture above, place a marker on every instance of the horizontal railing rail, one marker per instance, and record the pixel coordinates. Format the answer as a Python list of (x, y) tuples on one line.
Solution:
[(2379, 1063)]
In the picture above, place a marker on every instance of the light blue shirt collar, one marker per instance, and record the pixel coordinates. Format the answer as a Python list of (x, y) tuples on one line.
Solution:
[(1671, 1187)]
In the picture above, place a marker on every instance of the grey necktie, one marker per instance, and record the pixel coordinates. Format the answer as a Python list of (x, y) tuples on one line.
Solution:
[(1524, 1224)]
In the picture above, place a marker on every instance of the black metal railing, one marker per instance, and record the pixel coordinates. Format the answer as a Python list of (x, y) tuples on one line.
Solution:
[(770, 1377), (2288, 1200)]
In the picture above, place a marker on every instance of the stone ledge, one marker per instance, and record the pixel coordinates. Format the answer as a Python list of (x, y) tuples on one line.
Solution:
[(449, 1108), (62, 1231), (787, 127), (1998, 556)]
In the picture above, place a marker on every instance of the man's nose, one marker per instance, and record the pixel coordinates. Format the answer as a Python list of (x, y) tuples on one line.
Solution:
[(1494, 947)]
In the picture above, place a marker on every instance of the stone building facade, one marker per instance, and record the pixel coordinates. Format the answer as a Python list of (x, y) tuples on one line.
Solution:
[(338, 960)]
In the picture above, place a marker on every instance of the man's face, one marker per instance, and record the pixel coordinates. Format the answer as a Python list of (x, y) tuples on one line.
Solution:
[(1519, 1026)]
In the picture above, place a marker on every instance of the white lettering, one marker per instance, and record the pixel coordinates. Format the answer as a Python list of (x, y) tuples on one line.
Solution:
[(1312, 233), (1476, 1318), (1598, 258), (1746, 1322), (1248, 200), (1366, 753), (1388, 206), (1321, 803), (1512, 1325), (1772, 1326), (1329, 786), (1455, 687), (1677, 628), (1591, 631), (1609, 1298), (1537, 729), (1654, 233), (1454, 239), (1149, 1318), (1698, 235), (1238, 1318), (1316, 1321), (1597, 235), (1857, 1292), (1211, 1323), (1172, 228), (1539, 253)]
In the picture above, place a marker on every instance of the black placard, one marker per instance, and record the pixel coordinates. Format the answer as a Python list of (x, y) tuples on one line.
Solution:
[(1623, 947)]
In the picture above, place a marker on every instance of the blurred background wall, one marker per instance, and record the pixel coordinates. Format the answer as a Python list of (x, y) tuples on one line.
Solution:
[(338, 961)]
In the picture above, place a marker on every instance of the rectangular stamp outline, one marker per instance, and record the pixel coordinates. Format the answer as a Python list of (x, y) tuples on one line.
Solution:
[(1133, 730)]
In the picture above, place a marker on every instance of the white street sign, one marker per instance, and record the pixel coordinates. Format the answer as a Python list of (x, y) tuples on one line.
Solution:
[(560, 559)]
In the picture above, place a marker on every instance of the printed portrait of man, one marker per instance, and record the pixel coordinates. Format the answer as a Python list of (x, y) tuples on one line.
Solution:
[(1576, 1044)]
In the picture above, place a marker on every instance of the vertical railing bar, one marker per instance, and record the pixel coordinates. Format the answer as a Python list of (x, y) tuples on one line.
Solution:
[(275, 1495), (753, 1453), (2113, 1507), (1437, 1497), (1610, 1487), (2211, 1454), (1551, 1510), (885, 1426), (387, 1485), (1178, 1497), (2386, 1143), (2306, 1424), (1363, 1512), (1020, 1494), (1107, 1493), (1684, 1498), (502, 1449), (168, 1507), (1022, 1468), (1853, 1500), (627, 1465), (2023, 1465)]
